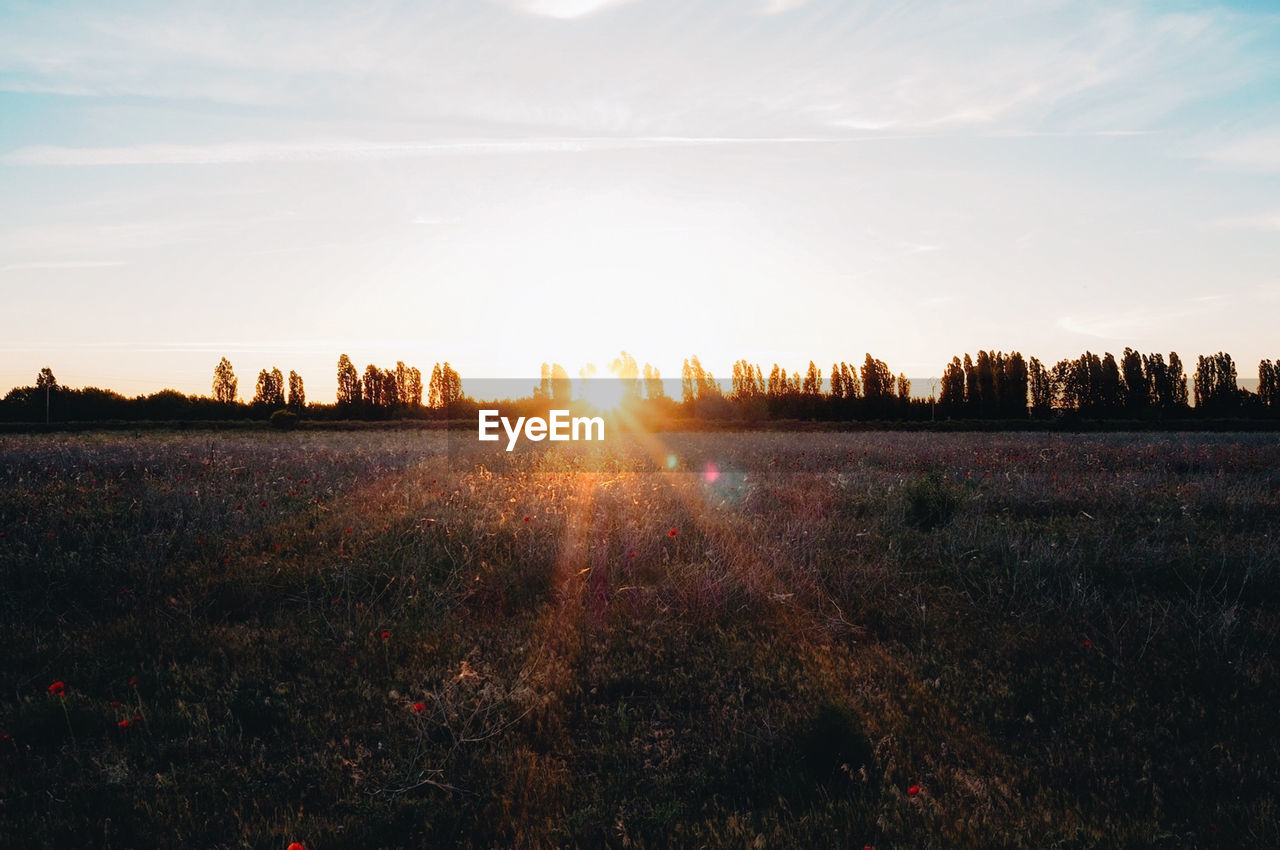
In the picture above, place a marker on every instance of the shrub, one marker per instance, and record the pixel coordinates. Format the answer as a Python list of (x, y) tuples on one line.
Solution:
[(931, 501), (284, 419)]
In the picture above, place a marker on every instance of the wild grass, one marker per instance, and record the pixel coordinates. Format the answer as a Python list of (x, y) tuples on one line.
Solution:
[(361, 639)]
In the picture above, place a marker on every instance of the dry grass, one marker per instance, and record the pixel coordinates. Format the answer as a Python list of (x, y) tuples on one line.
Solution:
[(355, 640)]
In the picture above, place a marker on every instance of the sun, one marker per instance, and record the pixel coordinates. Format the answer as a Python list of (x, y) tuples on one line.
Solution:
[(601, 393)]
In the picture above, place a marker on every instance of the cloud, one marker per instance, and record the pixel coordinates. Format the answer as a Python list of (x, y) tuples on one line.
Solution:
[(1259, 152), (1265, 222), (61, 264), (689, 68), (1134, 325), (779, 7), (298, 152), (564, 9)]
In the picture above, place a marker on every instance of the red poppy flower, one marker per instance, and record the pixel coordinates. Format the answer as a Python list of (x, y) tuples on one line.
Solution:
[(419, 707), (386, 634), (115, 704), (124, 724), (348, 531), (58, 689), (913, 790), (671, 533), (526, 519), (631, 554), (297, 845), (133, 681), (1087, 644), (4, 736)]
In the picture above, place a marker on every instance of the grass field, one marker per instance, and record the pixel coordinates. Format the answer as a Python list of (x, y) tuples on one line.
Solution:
[(352, 639)]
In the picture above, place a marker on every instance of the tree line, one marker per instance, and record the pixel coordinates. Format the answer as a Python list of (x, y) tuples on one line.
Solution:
[(990, 385)]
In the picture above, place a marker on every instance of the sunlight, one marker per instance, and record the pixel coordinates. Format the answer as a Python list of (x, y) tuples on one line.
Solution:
[(601, 393)]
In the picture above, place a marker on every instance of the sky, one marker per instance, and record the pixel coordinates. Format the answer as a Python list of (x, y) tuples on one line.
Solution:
[(499, 183)]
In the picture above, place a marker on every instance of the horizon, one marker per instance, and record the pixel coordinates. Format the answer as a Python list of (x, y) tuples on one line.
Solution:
[(504, 183)]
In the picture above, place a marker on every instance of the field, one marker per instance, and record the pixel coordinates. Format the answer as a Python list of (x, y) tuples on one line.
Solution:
[(356, 640)]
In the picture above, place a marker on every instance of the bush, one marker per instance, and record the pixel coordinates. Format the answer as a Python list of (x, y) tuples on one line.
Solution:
[(285, 420), (931, 501)]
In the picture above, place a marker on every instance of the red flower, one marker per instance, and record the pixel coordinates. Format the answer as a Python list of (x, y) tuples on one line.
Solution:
[(58, 689), (115, 704), (526, 519), (913, 790), (631, 554), (671, 533), (419, 707), (348, 531), (124, 724), (133, 681), (263, 503), (1087, 643), (386, 634), (297, 845)]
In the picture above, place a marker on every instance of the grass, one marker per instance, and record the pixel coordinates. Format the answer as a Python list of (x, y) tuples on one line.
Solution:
[(361, 639)]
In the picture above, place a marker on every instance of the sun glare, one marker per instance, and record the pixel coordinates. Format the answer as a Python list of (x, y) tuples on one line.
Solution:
[(601, 393)]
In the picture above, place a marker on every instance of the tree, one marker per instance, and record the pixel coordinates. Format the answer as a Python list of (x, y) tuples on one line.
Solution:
[(1041, 385), (951, 396), (1268, 384), (972, 386), (1216, 387), (414, 397), (653, 383), (686, 383), (561, 384), (402, 383), (269, 391), (987, 370), (627, 372), (1110, 389), (435, 388), (297, 395), (1013, 380), (837, 382), (45, 381), (877, 380), (373, 393), (1177, 381), (904, 386), (812, 386), (849, 379), (445, 388), (349, 389), (1137, 382), (224, 382)]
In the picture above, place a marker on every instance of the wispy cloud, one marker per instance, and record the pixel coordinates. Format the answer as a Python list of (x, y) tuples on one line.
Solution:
[(1257, 152), (564, 9), (260, 152), (61, 265), (1137, 324), (779, 7), (1266, 221)]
